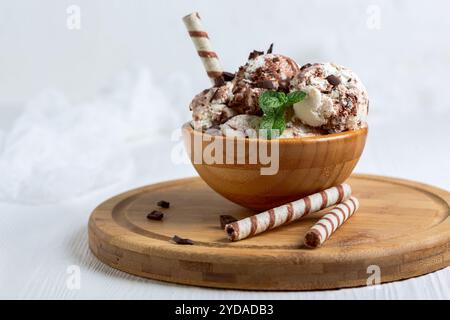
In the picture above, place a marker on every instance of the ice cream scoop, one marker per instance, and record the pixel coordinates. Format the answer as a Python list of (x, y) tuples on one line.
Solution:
[(267, 67), (209, 107), (336, 98), (262, 72)]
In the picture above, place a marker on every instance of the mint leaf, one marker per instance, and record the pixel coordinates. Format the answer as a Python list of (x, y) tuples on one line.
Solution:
[(271, 100), (274, 104), (295, 96), (266, 124), (273, 124), (282, 97), (279, 122)]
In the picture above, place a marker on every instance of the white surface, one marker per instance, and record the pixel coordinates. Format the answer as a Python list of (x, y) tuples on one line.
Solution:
[(404, 64), (39, 243), (72, 148)]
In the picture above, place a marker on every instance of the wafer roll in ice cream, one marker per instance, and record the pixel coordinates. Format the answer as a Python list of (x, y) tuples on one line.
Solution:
[(287, 213), (328, 224), (203, 46)]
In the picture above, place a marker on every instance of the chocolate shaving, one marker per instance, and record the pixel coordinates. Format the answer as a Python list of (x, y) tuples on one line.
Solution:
[(270, 49), (265, 84), (255, 54), (305, 66), (163, 204), (214, 95), (333, 80), (219, 81), (155, 215), (283, 85), (179, 240), (226, 219), (228, 76)]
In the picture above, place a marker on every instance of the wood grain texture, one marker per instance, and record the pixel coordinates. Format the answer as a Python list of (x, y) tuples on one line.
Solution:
[(402, 226), (306, 166)]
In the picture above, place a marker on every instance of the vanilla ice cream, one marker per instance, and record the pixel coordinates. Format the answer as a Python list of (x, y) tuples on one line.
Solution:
[(336, 99)]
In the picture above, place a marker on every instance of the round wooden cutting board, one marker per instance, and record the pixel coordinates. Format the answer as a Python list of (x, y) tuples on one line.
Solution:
[(401, 230)]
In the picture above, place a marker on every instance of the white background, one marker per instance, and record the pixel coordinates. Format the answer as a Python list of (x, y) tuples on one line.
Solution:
[(400, 49)]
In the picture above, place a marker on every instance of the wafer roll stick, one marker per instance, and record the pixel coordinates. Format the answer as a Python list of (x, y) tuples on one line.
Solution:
[(203, 46), (324, 228), (287, 213)]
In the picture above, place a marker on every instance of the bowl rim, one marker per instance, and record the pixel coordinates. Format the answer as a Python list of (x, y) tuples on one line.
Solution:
[(321, 138)]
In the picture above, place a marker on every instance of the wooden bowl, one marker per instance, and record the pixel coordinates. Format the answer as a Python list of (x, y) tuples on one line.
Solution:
[(305, 166)]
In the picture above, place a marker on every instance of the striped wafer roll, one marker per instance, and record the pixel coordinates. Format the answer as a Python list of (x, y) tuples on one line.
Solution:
[(324, 228), (287, 213), (203, 46)]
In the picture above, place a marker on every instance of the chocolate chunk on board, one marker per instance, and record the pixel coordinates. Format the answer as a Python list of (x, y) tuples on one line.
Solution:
[(155, 215), (179, 240), (333, 80), (163, 204), (270, 49), (226, 219)]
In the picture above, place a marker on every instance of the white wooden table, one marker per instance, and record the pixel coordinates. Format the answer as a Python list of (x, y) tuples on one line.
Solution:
[(41, 246)]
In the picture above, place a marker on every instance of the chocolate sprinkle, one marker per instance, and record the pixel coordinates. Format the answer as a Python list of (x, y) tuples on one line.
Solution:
[(163, 204), (270, 49), (265, 84), (226, 219), (255, 54), (155, 215), (333, 80), (179, 240), (228, 76)]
